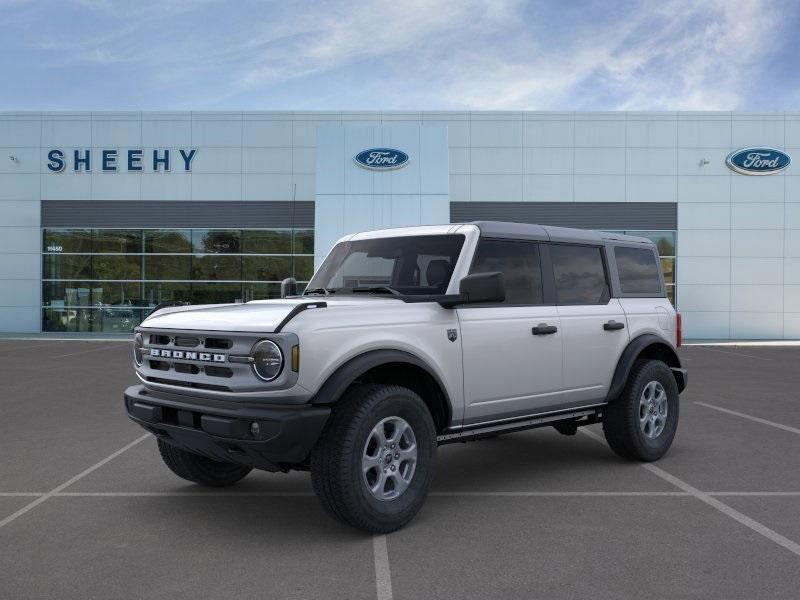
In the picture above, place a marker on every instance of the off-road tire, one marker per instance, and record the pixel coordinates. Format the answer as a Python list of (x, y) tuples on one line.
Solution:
[(200, 469), (336, 467), (621, 417)]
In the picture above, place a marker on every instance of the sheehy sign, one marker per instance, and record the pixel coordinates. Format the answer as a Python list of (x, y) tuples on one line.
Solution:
[(134, 160)]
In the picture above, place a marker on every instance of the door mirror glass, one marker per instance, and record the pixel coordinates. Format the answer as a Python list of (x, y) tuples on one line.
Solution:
[(483, 287)]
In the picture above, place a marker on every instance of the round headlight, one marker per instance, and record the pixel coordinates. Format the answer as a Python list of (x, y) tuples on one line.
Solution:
[(267, 360), (138, 344)]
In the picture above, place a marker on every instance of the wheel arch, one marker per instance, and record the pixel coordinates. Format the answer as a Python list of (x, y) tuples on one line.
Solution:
[(645, 346), (396, 367)]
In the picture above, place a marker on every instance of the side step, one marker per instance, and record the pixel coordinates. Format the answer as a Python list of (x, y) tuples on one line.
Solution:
[(587, 416)]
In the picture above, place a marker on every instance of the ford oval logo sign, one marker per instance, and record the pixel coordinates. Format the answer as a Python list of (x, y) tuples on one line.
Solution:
[(758, 161), (381, 159)]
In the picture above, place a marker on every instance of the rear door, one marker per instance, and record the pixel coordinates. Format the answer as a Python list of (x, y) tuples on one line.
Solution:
[(594, 325), (512, 350)]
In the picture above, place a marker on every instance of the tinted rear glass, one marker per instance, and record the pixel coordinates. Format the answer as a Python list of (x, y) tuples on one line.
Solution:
[(579, 274), (638, 271)]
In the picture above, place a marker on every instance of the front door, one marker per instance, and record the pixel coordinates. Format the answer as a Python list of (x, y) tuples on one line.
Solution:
[(512, 351)]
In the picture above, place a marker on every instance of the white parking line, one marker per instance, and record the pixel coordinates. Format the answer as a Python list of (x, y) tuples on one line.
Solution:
[(69, 482), (82, 352), (734, 514), (751, 418), (383, 576), (734, 353), (20, 348), (433, 494)]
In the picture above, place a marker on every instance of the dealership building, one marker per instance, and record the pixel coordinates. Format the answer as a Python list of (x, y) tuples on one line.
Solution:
[(104, 215)]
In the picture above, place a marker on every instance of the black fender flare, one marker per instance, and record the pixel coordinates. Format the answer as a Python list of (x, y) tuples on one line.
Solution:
[(632, 351), (338, 382)]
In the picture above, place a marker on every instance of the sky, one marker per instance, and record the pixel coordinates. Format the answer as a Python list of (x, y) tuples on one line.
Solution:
[(399, 55)]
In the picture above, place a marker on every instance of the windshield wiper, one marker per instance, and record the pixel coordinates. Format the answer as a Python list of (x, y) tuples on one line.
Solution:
[(377, 289), (322, 290)]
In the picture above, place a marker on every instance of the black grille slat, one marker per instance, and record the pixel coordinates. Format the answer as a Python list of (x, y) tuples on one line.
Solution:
[(186, 342), (218, 371), (218, 343)]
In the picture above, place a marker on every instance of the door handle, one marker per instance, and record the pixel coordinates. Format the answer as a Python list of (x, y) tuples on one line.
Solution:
[(613, 326), (544, 329)]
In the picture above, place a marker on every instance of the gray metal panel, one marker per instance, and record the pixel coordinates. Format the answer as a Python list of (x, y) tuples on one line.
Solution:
[(184, 213), (583, 215)]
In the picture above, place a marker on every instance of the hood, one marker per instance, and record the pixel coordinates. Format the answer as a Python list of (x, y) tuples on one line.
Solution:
[(261, 316)]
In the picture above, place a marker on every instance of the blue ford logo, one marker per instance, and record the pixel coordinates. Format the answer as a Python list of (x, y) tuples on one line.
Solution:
[(381, 159), (758, 161)]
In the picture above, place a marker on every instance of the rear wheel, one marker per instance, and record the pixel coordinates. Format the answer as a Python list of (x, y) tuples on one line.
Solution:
[(200, 469), (642, 422), (373, 464)]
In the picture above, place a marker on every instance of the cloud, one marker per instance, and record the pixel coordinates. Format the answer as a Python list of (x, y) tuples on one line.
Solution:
[(448, 54)]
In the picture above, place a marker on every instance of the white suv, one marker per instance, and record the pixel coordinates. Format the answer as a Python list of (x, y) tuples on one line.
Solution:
[(406, 339)]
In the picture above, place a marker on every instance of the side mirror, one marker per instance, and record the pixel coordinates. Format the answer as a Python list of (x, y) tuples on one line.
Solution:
[(288, 287), (483, 287)]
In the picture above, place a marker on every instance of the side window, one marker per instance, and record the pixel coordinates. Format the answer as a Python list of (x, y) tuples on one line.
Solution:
[(638, 271), (518, 262), (580, 277)]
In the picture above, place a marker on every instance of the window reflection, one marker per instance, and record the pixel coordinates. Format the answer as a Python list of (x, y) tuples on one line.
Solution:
[(216, 240), (160, 241), (97, 280)]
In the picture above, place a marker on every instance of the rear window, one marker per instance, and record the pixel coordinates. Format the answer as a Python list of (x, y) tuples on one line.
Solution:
[(638, 271)]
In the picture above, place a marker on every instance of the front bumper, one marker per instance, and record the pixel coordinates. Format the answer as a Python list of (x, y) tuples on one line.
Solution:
[(223, 431)]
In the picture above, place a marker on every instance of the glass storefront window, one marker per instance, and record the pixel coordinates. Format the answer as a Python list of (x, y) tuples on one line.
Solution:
[(267, 268), (67, 240), (122, 241), (216, 293), (108, 280), (117, 266), (161, 266), (303, 267), (303, 241), (267, 241), (157, 292), (228, 241), (91, 293), (67, 266), (261, 291), (162, 241), (668, 266), (213, 267)]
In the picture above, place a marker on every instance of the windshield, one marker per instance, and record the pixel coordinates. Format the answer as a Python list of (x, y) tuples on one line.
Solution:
[(407, 265)]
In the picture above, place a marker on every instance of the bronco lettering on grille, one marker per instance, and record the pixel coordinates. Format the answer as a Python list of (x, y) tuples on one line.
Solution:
[(182, 354)]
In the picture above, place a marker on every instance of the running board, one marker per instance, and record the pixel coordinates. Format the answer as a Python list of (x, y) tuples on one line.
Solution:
[(594, 415)]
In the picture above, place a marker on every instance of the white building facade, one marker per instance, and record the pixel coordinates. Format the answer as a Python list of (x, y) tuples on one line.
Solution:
[(105, 215)]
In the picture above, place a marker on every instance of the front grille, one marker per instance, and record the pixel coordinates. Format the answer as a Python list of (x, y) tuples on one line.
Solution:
[(189, 370)]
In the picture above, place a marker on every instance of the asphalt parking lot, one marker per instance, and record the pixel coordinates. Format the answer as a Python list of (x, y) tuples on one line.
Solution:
[(87, 510)]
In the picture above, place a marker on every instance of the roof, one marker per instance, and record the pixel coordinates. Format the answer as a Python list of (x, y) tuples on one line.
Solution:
[(529, 231)]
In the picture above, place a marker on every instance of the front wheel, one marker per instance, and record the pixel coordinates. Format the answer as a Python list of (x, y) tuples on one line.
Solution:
[(199, 469), (641, 423), (373, 465)]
